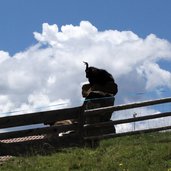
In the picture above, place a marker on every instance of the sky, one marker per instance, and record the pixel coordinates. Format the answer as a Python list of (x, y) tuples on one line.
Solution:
[(19, 19), (43, 44)]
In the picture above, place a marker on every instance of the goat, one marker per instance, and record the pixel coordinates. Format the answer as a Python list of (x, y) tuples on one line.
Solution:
[(101, 78), (97, 76)]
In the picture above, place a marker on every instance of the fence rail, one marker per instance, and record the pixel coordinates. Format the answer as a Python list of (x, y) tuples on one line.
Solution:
[(128, 133), (39, 117), (129, 120), (127, 106)]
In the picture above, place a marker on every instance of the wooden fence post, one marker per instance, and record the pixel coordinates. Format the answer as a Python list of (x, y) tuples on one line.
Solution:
[(81, 122)]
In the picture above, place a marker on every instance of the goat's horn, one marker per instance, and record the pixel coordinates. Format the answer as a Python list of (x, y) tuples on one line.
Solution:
[(86, 63)]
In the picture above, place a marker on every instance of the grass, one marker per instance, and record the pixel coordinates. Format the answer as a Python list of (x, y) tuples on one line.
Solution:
[(146, 152)]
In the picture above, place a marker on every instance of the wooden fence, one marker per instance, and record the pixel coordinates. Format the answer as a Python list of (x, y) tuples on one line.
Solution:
[(79, 130), (99, 111)]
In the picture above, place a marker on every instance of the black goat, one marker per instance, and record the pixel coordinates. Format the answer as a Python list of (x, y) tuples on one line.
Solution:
[(97, 76), (100, 77)]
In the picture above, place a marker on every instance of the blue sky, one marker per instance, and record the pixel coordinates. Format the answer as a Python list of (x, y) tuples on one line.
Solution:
[(43, 44), (19, 19)]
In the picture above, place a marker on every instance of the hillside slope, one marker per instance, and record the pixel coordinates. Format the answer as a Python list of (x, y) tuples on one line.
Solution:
[(146, 152)]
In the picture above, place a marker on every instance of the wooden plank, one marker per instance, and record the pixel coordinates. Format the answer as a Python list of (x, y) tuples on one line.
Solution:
[(38, 131), (129, 120), (99, 111), (128, 133), (81, 121), (40, 117)]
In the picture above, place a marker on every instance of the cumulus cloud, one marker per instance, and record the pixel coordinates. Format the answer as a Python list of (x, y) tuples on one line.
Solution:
[(154, 75), (51, 71)]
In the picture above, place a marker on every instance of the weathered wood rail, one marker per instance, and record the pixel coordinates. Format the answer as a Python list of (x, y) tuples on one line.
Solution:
[(78, 128)]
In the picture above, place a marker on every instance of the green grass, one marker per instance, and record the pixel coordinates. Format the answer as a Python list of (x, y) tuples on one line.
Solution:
[(146, 152)]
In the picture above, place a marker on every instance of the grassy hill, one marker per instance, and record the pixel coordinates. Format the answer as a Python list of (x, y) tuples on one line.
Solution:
[(146, 152)]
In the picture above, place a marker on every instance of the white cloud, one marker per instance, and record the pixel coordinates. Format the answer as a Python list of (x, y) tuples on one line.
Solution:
[(52, 70), (155, 76), (3, 56), (49, 34), (5, 104)]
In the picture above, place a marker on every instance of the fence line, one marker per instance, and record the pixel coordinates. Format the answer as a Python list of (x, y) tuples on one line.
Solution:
[(127, 106), (98, 111), (80, 128)]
